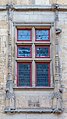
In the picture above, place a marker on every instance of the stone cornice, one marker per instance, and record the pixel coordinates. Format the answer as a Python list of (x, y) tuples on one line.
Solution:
[(2, 7), (41, 7), (52, 7)]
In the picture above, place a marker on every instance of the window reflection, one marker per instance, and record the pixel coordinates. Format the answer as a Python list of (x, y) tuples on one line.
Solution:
[(24, 51), (42, 51), (42, 34), (24, 34)]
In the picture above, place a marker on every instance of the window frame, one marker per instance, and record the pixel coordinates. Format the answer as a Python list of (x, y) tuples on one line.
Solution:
[(25, 29), (48, 73), (30, 73), (43, 46), (44, 39), (27, 46), (45, 43)]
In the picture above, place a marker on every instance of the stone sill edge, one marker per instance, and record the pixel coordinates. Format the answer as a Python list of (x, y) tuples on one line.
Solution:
[(32, 88), (33, 110)]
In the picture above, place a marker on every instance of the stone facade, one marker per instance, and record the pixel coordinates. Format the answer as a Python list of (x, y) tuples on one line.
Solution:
[(44, 103)]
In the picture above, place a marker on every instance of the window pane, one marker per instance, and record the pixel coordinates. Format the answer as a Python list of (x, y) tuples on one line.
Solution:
[(24, 34), (24, 74), (42, 74), (42, 35), (24, 51), (42, 51)]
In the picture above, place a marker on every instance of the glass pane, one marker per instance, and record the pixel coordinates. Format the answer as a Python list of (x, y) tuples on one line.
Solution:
[(24, 34), (24, 71), (42, 51), (42, 34), (24, 51), (42, 74)]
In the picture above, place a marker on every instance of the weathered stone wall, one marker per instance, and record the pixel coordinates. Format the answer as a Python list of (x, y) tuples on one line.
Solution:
[(63, 24), (3, 45), (33, 98), (58, 1), (29, 2)]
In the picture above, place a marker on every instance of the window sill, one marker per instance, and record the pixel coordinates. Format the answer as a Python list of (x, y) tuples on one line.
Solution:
[(33, 88)]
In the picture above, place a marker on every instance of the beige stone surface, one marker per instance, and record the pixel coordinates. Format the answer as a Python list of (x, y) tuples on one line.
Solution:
[(58, 1), (62, 2), (3, 2), (41, 2), (23, 2), (32, 98), (29, 2)]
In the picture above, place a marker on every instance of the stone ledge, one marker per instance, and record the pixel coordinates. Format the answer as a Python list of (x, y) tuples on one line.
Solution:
[(18, 24), (32, 110), (2, 7), (34, 7), (33, 88), (39, 7)]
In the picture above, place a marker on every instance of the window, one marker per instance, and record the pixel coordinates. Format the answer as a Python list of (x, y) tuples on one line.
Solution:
[(42, 51), (23, 34), (24, 51), (42, 74), (24, 74), (42, 34), (33, 57)]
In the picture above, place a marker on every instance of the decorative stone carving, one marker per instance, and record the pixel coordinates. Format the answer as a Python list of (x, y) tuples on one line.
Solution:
[(10, 96)]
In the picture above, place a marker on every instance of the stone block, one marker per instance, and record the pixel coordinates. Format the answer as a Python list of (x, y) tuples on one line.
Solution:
[(3, 2)]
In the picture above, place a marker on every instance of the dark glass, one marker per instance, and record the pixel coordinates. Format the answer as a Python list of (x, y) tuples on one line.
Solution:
[(42, 74), (24, 71), (42, 51), (24, 51), (42, 34), (24, 35)]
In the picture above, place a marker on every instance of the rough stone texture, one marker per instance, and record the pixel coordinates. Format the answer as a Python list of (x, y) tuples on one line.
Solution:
[(58, 1), (27, 17), (29, 2), (32, 98), (39, 99), (3, 2), (3, 46)]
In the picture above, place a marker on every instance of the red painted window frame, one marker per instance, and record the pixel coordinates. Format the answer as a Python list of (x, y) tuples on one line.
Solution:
[(30, 74), (43, 29), (19, 43), (26, 47), (48, 74), (25, 29), (44, 46)]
